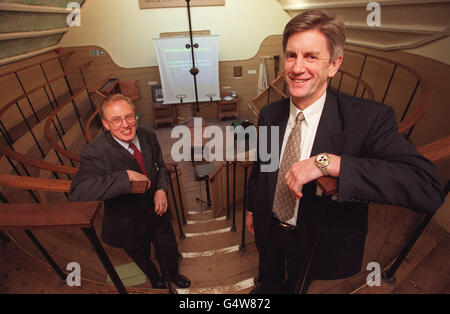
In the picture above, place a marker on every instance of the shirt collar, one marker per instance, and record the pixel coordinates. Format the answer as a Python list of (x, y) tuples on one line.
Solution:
[(126, 145), (312, 113)]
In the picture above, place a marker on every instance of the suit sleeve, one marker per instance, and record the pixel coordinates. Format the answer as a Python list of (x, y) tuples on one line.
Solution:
[(93, 183), (390, 170)]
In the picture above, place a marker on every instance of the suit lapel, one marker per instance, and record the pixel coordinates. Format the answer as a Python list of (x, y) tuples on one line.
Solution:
[(281, 117), (330, 134), (145, 150), (126, 158)]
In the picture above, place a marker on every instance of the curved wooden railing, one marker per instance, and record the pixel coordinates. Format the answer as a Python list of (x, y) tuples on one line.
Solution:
[(45, 60), (53, 142), (34, 183), (9, 150), (35, 162), (407, 120), (437, 151), (265, 96), (39, 87)]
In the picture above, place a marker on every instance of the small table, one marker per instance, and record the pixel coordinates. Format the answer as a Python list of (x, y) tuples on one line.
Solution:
[(228, 108), (164, 114)]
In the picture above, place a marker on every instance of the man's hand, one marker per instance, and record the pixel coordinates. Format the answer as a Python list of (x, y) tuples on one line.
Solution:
[(136, 176), (249, 223), (305, 171), (160, 200)]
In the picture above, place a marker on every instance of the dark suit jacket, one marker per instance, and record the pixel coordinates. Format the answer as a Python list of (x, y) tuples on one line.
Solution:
[(377, 165), (102, 176)]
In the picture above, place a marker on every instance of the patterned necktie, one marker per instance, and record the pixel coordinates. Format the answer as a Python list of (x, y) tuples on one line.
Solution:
[(284, 200), (138, 155)]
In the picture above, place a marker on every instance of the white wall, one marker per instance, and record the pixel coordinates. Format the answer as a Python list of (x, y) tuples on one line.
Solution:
[(126, 31)]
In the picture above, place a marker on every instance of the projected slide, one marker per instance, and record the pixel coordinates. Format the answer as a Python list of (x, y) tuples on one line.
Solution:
[(175, 62)]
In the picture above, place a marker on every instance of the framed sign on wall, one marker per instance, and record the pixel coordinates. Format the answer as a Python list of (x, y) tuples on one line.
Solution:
[(155, 4)]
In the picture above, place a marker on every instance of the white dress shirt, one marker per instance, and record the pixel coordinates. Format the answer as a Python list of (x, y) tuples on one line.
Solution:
[(312, 116), (126, 145)]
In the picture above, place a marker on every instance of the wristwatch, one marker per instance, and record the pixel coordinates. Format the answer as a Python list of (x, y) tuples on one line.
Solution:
[(322, 161)]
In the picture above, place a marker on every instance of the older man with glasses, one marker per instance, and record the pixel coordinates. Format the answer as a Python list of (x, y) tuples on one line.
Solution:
[(123, 154)]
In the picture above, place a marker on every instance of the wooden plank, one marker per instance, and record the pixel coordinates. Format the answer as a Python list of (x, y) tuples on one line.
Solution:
[(48, 216)]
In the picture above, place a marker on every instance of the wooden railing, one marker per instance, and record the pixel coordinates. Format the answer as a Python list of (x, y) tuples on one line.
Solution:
[(53, 216), (407, 120)]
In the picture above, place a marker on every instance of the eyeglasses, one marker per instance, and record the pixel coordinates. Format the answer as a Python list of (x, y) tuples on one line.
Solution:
[(117, 121), (291, 57)]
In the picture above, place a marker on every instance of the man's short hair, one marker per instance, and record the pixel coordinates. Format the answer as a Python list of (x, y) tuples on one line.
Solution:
[(330, 25), (113, 98)]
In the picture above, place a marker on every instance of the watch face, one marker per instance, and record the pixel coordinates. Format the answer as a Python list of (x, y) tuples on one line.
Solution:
[(322, 158)]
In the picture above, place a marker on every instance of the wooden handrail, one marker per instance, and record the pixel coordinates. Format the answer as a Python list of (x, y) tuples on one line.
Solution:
[(436, 152), (101, 83), (216, 170), (425, 100), (87, 126), (34, 183), (362, 82), (37, 63), (96, 91), (28, 93), (50, 139), (36, 163), (48, 216), (54, 185)]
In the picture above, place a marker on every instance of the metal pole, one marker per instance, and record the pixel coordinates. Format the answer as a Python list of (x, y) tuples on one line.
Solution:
[(31, 131), (388, 275), (244, 209), (5, 134), (233, 227), (47, 256), (228, 192), (194, 70), (90, 234), (410, 101), (360, 74), (389, 84), (26, 95)]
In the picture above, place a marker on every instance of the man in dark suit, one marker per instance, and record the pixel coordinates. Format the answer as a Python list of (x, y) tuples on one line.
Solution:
[(322, 133), (123, 154)]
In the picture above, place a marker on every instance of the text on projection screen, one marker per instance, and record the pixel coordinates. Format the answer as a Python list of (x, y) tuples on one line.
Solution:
[(175, 62)]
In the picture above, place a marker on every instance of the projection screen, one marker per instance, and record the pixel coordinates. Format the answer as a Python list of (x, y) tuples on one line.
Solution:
[(175, 62)]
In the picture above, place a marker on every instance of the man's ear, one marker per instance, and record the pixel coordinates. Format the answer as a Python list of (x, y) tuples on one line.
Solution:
[(334, 67), (105, 124)]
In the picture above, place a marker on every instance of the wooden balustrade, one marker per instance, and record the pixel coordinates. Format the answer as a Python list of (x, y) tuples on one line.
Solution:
[(59, 56)]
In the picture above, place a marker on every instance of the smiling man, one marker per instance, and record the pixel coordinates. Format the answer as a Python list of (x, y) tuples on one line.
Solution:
[(123, 154), (322, 133)]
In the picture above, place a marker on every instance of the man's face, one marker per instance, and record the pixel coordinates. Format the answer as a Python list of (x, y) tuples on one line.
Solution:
[(126, 131), (307, 66)]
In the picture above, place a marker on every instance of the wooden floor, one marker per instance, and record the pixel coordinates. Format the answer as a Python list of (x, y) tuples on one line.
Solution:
[(211, 255)]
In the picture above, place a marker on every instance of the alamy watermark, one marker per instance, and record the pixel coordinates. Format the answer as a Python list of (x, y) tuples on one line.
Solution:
[(74, 17), (374, 278), (219, 147), (73, 278), (374, 17)]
